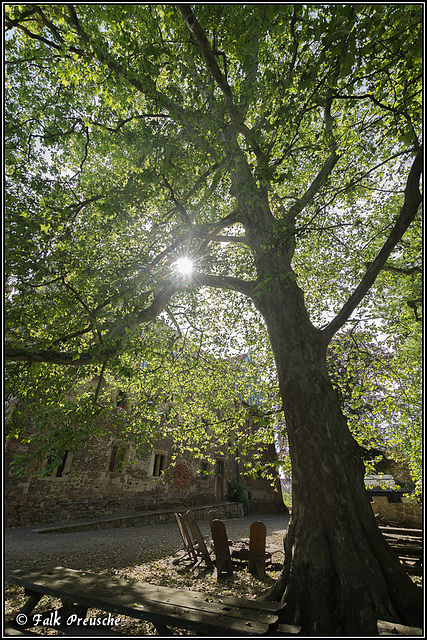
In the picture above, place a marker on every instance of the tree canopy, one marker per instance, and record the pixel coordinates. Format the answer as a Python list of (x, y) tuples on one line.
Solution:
[(125, 130), (278, 147)]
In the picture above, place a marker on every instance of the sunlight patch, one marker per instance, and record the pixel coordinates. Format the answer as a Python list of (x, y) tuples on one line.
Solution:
[(184, 265)]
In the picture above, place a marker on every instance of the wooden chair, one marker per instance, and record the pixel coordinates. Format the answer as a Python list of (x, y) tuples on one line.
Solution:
[(212, 515), (188, 547), (221, 548), (191, 518), (257, 554), (198, 541)]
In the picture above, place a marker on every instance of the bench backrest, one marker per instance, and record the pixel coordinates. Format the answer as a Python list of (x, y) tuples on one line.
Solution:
[(186, 539), (256, 559), (257, 537), (198, 540), (221, 548), (212, 515)]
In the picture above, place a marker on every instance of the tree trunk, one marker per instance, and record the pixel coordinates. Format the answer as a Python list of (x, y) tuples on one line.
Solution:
[(340, 576)]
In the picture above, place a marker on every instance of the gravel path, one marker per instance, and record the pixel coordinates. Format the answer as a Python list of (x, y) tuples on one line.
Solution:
[(118, 548)]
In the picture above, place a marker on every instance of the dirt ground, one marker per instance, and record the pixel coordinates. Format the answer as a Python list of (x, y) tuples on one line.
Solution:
[(144, 554), (118, 548)]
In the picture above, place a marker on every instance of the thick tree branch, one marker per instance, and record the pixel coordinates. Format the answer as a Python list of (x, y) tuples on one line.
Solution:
[(30, 34), (406, 271), (100, 381), (407, 214), (142, 317), (224, 282), (24, 15), (212, 65), (227, 221), (370, 96), (121, 123), (212, 237), (53, 357), (76, 334), (98, 355), (413, 304), (75, 22), (305, 199), (325, 170), (50, 26)]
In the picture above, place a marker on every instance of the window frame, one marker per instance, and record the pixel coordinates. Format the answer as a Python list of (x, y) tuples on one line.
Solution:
[(158, 464), (118, 457), (64, 466)]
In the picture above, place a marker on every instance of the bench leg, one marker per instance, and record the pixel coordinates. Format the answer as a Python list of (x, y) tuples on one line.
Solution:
[(68, 609), (163, 630), (223, 564), (257, 565), (23, 619), (187, 555)]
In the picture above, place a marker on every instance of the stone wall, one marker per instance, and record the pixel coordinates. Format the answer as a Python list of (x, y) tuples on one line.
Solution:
[(223, 510), (90, 487), (408, 512)]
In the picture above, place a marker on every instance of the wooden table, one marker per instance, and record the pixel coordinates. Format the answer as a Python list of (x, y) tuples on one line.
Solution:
[(164, 607)]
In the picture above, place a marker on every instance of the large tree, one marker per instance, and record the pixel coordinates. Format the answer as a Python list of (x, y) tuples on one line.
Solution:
[(278, 147)]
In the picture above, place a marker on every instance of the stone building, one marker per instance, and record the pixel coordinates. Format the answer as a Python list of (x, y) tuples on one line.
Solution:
[(111, 476)]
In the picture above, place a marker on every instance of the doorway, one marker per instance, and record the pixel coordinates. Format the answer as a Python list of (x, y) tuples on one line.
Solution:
[(219, 480)]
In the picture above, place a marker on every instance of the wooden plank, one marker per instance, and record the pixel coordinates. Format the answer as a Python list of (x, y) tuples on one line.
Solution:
[(33, 600), (160, 605), (397, 539), (261, 605), (406, 531), (413, 548), (222, 550), (392, 628), (408, 553), (288, 630), (401, 536), (201, 545), (256, 557), (154, 592)]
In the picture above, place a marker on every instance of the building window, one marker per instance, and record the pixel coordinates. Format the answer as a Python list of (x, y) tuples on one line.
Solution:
[(220, 468), (117, 458), (63, 467), (219, 480), (158, 463)]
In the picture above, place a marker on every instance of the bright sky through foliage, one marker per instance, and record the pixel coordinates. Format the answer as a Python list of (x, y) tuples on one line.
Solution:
[(184, 265)]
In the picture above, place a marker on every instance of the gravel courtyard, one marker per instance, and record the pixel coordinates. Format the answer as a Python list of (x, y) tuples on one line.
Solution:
[(118, 548), (142, 553)]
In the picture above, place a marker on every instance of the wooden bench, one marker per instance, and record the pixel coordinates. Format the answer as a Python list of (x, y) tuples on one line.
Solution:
[(164, 607), (408, 545)]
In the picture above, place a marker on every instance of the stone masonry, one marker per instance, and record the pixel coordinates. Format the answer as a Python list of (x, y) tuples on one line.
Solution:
[(108, 478)]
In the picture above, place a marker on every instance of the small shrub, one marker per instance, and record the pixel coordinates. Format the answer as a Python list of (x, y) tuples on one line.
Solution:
[(237, 493)]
